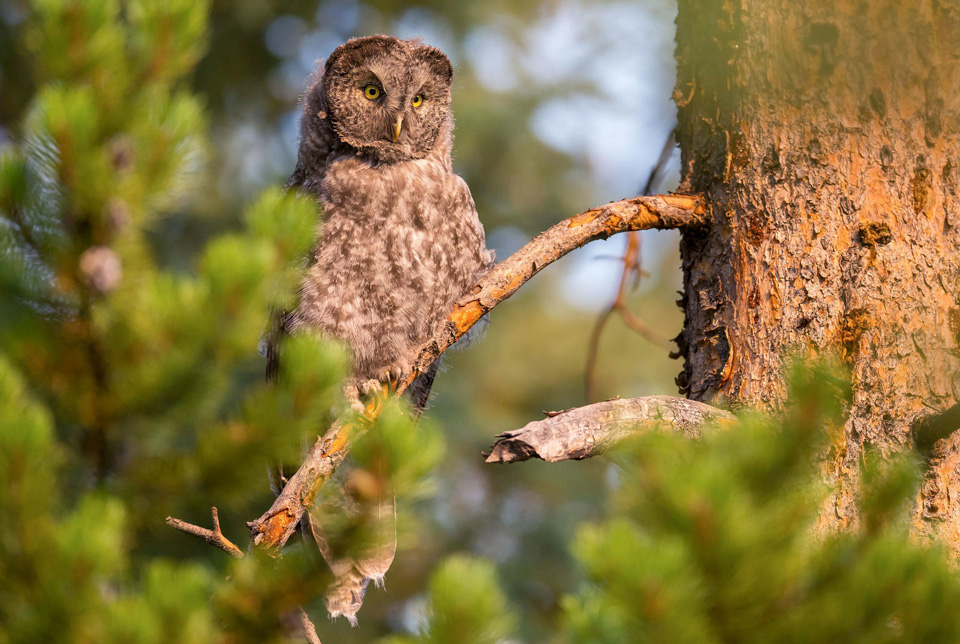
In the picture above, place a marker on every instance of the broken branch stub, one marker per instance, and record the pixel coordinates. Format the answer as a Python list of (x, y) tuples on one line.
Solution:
[(588, 431)]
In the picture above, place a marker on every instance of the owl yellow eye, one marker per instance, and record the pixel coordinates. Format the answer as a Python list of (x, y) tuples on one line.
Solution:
[(371, 91), (418, 100)]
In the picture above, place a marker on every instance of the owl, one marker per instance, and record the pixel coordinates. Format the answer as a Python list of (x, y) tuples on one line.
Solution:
[(400, 240)]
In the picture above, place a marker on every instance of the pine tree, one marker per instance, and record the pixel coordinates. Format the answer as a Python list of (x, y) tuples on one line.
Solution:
[(129, 390)]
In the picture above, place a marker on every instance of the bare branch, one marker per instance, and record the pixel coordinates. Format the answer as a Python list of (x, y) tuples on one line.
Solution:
[(587, 431), (629, 279), (593, 351), (274, 527), (214, 537), (504, 279)]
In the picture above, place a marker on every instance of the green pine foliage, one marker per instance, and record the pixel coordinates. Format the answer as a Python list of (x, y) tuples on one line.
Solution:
[(465, 605), (130, 391), (717, 541), (67, 571)]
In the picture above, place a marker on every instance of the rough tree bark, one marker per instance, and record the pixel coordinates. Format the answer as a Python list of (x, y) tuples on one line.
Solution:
[(825, 137)]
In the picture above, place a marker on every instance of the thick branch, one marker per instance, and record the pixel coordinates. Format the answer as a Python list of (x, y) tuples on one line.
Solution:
[(587, 431), (275, 526), (504, 279), (214, 537)]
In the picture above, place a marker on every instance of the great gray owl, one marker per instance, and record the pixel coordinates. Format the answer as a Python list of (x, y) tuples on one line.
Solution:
[(401, 240)]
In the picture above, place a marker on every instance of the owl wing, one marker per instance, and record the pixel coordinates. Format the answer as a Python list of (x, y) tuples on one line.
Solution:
[(477, 258), (317, 140)]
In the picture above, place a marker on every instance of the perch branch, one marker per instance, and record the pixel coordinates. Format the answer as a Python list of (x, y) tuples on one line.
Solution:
[(214, 537), (272, 529), (504, 279), (276, 525), (583, 432), (930, 429)]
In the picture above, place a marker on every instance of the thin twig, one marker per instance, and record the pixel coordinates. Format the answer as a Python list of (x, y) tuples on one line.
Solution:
[(629, 279), (632, 270), (640, 327), (214, 537), (309, 630), (593, 348)]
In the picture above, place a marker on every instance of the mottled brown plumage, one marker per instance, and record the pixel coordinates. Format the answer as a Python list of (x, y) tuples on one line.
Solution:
[(400, 240)]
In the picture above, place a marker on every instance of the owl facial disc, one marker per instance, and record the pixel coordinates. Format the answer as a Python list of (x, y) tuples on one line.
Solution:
[(387, 98)]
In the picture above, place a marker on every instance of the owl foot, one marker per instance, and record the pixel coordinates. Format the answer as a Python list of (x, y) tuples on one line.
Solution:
[(389, 376), (370, 387)]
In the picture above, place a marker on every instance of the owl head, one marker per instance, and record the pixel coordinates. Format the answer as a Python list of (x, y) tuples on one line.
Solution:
[(387, 98)]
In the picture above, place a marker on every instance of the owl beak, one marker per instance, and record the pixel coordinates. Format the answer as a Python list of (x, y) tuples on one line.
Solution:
[(396, 128)]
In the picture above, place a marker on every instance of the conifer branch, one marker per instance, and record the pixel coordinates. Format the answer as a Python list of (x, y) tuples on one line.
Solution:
[(583, 432)]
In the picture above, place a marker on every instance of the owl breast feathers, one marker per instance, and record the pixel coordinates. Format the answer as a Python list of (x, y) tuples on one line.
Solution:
[(400, 239)]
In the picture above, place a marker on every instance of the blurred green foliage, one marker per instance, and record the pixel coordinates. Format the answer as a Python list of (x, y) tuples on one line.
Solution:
[(717, 541), (464, 604), (129, 391)]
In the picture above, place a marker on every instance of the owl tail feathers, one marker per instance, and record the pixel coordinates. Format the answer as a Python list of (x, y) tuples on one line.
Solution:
[(352, 574), (374, 563), (345, 595)]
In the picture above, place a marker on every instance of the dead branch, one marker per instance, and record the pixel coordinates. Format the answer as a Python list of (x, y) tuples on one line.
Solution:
[(274, 527), (629, 278), (593, 351), (214, 537), (587, 431)]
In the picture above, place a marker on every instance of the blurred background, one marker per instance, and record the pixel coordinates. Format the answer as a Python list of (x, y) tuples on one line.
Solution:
[(559, 106)]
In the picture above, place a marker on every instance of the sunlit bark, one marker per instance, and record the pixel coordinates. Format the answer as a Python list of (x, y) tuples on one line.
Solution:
[(825, 137)]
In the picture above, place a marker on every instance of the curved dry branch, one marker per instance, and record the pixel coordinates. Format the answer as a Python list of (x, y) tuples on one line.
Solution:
[(588, 431), (276, 525), (309, 630), (504, 279)]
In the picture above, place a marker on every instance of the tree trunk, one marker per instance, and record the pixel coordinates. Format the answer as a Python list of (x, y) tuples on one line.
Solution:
[(825, 137)]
